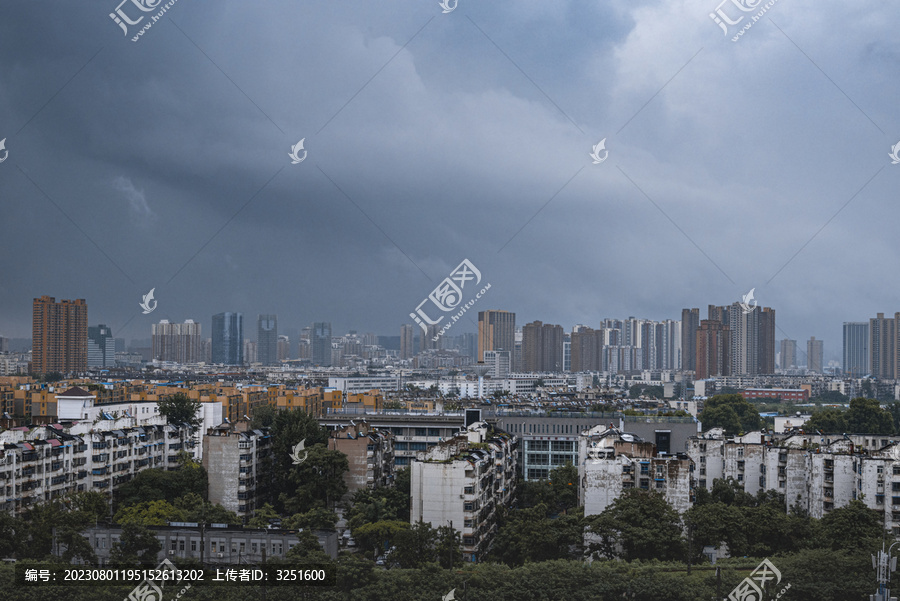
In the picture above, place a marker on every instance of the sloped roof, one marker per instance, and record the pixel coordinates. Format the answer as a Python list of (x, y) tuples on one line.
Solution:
[(75, 391)]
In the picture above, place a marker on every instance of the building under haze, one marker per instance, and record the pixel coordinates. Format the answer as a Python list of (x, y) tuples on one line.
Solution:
[(883, 346), (542, 347), (690, 323), (788, 354), (59, 335), (815, 352), (586, 349), (713, 350), (856, 348), (496, 332), (228, 338), (320, 343), (267, 339), (178, 342), (407, 341), (101, 347)]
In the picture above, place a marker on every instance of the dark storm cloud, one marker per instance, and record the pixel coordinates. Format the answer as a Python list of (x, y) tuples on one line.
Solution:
[(474, 120)]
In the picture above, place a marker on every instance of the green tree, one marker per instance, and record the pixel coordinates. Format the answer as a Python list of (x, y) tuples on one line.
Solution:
[(564, 482), (827, 421), (866, 416), (196, 509), (179, 408), (287, 429), (263, 517), (853, 528), (317, 518), (136, 546), (830, 397), (527, 535), (731, 412), (642, 523), (149, 513), (379, 536), (12, 531), (317, 482), (164, 485), (307, 550)]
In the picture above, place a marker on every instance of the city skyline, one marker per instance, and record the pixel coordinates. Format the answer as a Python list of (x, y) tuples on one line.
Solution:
[(493, 165)]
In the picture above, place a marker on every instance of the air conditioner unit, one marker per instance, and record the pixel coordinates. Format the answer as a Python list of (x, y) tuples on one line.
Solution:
[(171, 551), (220, 555)]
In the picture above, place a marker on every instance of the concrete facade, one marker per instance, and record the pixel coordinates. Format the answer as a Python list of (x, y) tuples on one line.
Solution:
[(370, 453), (612, 461), (236, 463), (213, 543), (462, 481)]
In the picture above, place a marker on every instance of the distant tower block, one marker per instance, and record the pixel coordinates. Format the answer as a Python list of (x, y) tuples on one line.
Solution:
[(480, 370)]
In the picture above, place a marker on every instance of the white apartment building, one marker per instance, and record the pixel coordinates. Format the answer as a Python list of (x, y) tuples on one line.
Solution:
[(461, 482), (818, 473), (611, 461), (42, 463)]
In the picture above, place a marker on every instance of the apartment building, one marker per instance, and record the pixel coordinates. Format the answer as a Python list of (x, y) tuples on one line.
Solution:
[(42, 463), (612, 461), (238, 467), (370, 454), (816, 473), (461, 482)]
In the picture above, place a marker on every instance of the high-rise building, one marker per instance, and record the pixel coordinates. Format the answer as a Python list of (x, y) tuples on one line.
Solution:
[(713, 350), (496, 332), (59, 335), (883, 346), (407, 340), (178, 342), (788, 354), (283, 348), (250, 355), (690, 323), (320, 343), (856, 348), (586, 350), (766, 363), (542, 347), (101, 347), (499, 363), (815, 351), (267, 339), (228, 338), (430, 338), (752, 337)]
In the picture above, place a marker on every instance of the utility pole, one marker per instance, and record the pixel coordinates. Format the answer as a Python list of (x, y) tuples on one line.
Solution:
[(884, 564)]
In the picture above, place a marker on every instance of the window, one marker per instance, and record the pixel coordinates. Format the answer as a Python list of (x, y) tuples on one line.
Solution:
[(434, 431), (740, 477), (421, 432), (193, 545), (740, 451), (181, 545)]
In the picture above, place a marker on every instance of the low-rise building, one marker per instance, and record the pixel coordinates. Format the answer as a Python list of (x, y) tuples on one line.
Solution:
[(462, 481), (212, 543), (370, 454)]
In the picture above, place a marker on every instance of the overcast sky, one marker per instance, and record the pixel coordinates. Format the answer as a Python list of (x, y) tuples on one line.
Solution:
[(432, 138)]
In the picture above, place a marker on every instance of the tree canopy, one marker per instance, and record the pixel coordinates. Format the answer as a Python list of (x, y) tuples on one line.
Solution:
[(732, 413), (179, 408)]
